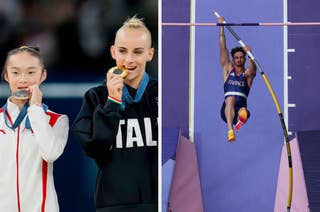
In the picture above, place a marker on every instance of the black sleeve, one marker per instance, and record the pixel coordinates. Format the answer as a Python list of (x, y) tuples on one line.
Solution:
[(97, 123), (154, 98)]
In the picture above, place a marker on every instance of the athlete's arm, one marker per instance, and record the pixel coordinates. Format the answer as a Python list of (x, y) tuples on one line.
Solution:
[(51, 139), (252, 69), (224, 57), (96, 125)]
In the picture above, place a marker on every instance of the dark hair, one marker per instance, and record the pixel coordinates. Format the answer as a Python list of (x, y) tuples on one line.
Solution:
[(33, 50), (237, 49)]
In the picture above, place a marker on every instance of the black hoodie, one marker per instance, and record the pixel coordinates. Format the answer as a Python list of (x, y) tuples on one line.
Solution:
[(124, 146)]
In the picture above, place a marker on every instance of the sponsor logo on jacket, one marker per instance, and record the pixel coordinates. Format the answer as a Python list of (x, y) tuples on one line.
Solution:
[(236, 83)]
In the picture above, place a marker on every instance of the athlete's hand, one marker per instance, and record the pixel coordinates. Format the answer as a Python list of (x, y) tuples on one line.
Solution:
[(247, 48), (36, 95), (220, 19), (114, 85)]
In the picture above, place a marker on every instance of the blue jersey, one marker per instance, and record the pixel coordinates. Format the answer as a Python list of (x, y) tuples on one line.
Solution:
[(237, 86)]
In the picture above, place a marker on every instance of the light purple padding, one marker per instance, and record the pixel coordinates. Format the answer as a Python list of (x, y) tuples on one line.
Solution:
[(185, 193), (167, 172), (299, 199)]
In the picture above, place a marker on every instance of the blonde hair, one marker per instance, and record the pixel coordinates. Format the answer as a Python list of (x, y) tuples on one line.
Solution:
[(136, 23)]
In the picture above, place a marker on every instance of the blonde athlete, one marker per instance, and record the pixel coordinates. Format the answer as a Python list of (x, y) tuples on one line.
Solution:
[(117, 126)]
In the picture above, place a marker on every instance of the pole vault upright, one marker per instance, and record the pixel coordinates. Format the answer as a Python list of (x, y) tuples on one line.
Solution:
[(275, 101)]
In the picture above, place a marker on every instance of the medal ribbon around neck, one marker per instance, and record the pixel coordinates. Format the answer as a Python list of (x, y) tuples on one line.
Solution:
[(127, 98), (22, 114)]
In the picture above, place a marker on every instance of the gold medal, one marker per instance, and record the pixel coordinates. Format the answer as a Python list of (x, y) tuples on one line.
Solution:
[(121, 71)]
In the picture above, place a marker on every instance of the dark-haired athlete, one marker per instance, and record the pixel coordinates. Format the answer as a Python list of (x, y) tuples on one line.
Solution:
[(237, 83), (32, 137)]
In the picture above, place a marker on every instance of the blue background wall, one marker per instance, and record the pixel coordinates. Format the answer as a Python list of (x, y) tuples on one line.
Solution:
[(303, 66), (175, 65), (242, 176), (74, 172), (238, 176)]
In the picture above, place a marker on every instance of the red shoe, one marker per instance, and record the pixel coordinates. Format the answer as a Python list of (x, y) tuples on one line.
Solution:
[(231, 136), (243, 116)]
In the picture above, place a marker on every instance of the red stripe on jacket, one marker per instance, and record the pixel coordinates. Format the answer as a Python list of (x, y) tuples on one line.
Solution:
[(53, 119), (17, 166), (4, 132)]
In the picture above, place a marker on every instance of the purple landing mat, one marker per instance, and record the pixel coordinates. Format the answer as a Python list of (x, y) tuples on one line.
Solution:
[(299, 197), (309, 144), (185, 193), (170, 137), (167, 173)]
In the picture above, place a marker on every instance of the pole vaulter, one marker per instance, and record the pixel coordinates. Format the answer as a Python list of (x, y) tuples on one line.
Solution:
[(236, 36)]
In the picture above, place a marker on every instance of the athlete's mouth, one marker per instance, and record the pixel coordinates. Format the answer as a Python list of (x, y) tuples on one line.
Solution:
[(131, 68), (22, 88)]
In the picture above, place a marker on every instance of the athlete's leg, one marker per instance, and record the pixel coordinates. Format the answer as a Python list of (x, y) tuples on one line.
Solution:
[(243, 116), (229, 111), (230, 114)]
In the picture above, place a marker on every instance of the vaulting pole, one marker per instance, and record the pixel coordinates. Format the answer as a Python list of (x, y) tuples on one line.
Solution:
[(275, 101), (243, 24)]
